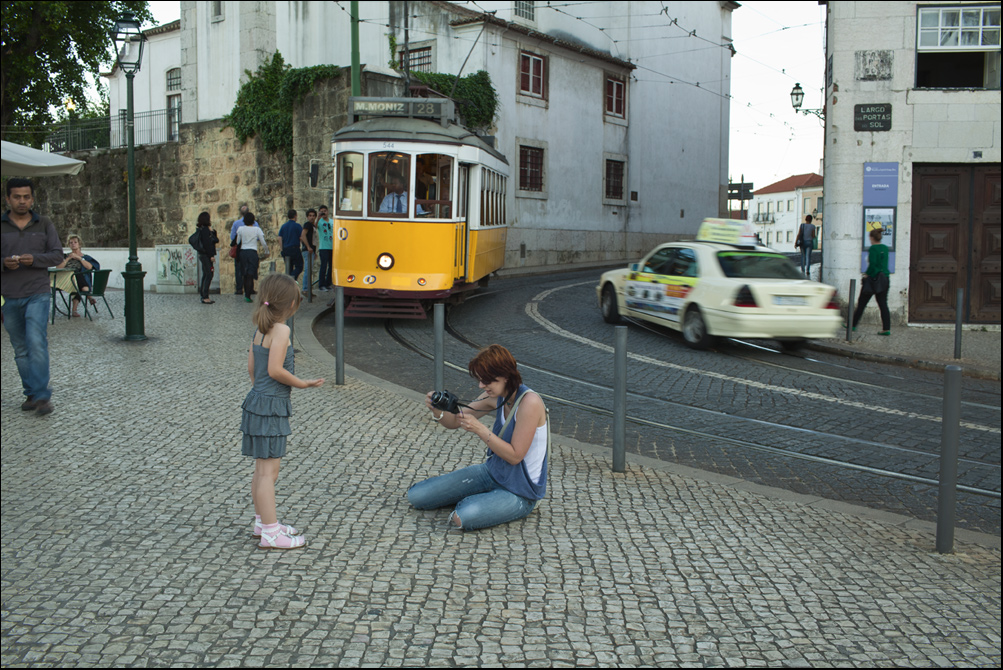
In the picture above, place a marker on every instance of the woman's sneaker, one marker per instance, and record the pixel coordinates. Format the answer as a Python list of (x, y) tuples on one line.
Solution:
[(280, 540)]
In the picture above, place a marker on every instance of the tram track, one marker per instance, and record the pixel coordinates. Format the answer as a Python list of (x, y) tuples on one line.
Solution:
[(742, 443)]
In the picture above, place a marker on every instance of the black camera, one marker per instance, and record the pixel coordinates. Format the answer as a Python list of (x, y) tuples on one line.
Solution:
[(446, 401)]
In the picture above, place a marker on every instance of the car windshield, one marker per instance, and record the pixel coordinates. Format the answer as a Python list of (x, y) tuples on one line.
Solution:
[(757, 265)]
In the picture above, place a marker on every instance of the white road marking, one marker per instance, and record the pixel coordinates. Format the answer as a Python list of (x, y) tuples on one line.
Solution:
[(532, 309)]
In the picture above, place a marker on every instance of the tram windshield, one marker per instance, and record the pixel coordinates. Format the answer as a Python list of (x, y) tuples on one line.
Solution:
[(389, 177), (432, 185)]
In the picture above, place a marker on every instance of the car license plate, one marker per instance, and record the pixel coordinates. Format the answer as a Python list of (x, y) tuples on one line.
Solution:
[(789, 300)]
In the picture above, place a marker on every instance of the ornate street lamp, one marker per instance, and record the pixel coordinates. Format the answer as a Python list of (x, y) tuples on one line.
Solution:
[(797, 97), (129, 41)]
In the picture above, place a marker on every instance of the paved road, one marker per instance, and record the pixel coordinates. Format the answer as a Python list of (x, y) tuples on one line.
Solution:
[(737, 410), (126, 537)]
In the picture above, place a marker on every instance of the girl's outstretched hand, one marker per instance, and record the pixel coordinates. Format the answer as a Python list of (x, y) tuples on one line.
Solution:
[(312, 383)]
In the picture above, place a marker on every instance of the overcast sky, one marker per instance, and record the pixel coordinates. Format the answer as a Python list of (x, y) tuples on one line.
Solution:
[(778, 44)]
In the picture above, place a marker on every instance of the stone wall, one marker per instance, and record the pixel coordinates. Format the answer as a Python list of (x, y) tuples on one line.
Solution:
[(206, 170)]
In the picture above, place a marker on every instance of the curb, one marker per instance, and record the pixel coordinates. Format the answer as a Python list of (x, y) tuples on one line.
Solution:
[(903, 361)]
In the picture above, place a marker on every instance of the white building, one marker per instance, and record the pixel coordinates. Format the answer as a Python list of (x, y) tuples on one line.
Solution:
[(778, 209), (156, 90), (913, 145), (614, 117)]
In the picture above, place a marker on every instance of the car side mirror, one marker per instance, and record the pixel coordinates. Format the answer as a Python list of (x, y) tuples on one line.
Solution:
[(635, 267)]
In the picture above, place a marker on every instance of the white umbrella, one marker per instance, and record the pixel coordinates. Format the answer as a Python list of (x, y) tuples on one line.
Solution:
[(22, 161)]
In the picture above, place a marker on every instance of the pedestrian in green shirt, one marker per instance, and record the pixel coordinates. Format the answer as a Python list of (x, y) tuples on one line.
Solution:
[(875, 282)]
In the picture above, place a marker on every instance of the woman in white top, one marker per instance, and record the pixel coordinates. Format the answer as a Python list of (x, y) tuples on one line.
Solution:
[(249, 236), (513, 479)]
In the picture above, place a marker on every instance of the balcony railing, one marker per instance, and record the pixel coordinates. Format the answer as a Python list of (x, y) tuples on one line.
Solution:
[(155, 127)]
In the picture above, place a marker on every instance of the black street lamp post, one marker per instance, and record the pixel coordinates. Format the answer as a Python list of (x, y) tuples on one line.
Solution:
[(129, 40)]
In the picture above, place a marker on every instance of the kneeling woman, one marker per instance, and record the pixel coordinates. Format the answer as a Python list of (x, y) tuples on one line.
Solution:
[(514, 478)]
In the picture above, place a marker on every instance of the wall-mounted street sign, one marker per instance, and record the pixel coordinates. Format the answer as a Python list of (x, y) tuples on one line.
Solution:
[(874, 117)]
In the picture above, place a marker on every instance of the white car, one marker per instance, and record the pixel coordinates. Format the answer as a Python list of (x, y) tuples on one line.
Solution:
[(712, 289)]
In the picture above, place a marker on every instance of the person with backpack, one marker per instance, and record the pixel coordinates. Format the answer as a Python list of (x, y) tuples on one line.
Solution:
[(204, 241)]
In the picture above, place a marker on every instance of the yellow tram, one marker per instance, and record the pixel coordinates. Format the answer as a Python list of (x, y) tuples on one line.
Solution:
[(419, 207)]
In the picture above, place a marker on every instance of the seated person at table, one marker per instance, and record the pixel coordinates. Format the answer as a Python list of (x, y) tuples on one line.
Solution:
[(81, 264)]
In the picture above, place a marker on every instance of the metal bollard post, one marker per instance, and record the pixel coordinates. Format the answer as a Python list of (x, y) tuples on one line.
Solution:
[(620, 400), (439, 316), (950, 430), (849, 310), (958, 313), (339, 335), (271, 267)]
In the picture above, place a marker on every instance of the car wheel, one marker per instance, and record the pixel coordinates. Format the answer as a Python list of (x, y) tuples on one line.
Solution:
[(610, 312), (792, 345), (695, 330)]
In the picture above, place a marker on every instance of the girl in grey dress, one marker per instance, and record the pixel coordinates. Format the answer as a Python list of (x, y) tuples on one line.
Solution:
[(266, 409)]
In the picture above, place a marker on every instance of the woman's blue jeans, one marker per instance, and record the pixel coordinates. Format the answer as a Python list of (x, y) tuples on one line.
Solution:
[(480, 501), (27, 321)]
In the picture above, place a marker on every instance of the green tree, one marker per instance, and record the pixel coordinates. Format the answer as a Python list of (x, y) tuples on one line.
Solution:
[(47, 47)]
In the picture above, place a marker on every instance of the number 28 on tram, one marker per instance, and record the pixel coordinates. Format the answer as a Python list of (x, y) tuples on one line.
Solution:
[(419, 214)]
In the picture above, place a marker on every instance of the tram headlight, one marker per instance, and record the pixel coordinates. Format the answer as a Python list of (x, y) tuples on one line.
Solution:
[(385, 261)]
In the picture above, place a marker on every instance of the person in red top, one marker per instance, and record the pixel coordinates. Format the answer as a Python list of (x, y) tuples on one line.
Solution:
[(29, 246)]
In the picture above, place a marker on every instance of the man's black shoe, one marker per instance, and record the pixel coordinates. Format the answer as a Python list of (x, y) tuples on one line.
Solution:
[(28, 405), (44, 407)]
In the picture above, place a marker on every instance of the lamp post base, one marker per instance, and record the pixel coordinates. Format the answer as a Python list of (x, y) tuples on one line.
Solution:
[(134, 319)]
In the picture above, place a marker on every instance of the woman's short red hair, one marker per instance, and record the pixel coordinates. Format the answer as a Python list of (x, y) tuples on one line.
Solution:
[(496, 361)]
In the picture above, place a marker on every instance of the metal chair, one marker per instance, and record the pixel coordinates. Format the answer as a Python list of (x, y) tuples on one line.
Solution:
[(98, 280)]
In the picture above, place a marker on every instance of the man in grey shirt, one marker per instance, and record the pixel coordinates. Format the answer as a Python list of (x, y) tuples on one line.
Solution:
[(29, 246)]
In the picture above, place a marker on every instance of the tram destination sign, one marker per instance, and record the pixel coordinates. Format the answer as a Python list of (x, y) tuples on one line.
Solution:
[(873, 117), (419, 108)]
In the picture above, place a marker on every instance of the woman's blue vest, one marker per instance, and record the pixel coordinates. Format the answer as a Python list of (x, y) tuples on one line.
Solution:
[(515, 478)]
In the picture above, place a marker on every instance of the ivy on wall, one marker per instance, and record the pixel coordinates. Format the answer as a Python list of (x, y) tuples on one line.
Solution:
[(476, 99), (265, 102)]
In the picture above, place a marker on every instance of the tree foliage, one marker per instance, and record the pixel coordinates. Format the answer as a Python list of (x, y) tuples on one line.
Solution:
[(265, 102), (47, 47), (476, 99)]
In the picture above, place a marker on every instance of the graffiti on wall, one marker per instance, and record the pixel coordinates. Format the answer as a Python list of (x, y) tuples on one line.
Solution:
[(176, 264)]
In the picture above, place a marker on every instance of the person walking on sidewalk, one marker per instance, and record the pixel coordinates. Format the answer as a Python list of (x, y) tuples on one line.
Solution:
[(805, 241), (238, 277), (208, 240), (514, 478), (875, 282), (29, 246), (251, 240), (325, 248), (291, 234), (267, 408)]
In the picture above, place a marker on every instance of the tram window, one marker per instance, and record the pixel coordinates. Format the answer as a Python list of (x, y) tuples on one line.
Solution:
[(389, 178), (349, 178), (433, 180)]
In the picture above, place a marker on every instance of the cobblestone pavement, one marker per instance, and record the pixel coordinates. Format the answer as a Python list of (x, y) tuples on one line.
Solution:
[(126, 540)]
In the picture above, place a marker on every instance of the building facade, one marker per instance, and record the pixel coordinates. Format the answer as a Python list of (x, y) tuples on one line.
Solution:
[(615, 140), (913, 146), (778, 209)]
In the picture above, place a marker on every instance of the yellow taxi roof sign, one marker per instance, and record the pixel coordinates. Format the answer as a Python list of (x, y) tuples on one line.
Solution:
[(727, 231)]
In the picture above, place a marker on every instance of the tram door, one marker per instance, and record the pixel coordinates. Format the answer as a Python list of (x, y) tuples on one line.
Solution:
[(463, 227)]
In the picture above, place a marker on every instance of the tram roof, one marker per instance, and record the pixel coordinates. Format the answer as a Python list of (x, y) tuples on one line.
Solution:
[(414, 130)]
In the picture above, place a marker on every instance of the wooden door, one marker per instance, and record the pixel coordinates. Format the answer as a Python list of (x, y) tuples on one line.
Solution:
[(940, 213), (955, 243), (985, 282)]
